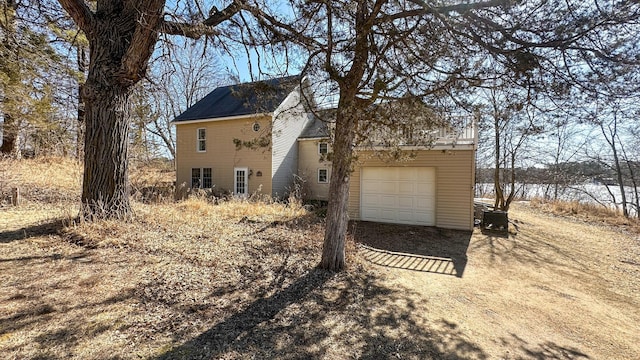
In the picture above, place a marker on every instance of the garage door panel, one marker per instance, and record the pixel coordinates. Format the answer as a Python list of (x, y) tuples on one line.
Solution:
[(371, 200), (423, 218), (406, 188), (398, 194), (387, 187), (405, 202), (425, 188), (408, 174), (426, 173), (369, 213), (405, 216), (388, 214), (371, 186), (387, 201)]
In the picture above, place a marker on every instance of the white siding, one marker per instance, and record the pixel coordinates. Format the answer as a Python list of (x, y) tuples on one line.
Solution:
[(289, 120)]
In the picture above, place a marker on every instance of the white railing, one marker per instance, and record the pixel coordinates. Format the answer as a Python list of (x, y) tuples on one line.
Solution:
[(461, 131)]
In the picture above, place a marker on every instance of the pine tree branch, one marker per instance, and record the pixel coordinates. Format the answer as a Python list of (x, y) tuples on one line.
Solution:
[(206, 27), (425, 8)]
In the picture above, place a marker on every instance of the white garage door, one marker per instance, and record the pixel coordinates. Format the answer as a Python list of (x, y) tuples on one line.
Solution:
[(402, 195)]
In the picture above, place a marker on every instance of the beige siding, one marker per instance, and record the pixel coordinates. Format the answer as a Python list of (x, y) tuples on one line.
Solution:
[(454, 184), (221, 154), (308, 165)]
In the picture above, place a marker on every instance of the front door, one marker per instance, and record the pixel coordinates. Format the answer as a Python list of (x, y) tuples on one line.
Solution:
[(241, 182)]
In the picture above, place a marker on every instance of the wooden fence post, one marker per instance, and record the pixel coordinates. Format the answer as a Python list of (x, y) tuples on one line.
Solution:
[(15, 196)]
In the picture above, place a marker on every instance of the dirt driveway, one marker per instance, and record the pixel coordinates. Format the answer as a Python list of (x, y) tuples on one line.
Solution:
[(553, 289), (197, 281)]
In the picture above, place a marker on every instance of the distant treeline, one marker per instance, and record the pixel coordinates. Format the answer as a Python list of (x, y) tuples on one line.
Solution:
[(567, 173)]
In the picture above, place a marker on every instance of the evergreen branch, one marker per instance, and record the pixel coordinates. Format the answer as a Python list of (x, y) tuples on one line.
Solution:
[(206, 27)]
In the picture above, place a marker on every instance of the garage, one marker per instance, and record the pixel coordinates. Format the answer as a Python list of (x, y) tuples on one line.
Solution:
[(401, 195)]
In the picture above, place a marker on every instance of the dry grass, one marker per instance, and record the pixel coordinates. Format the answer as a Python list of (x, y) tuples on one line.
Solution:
[(589, 212), (46, 180), (237, 280)]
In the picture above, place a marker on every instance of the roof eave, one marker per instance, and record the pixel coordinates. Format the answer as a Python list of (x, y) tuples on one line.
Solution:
[(235, 117)]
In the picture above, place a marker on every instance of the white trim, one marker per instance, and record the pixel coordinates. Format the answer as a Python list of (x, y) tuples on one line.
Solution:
[(236, 117), (314, 138), (291, 93), (246, 181), (457, 146), (201, 178), (320, 143), (327, 176)]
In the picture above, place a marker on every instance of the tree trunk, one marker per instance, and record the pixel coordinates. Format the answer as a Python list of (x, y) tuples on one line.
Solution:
[(80, 133), (10, 137), (497, 188), (105, 187), (337, 216), (616, 161), (623, 196)]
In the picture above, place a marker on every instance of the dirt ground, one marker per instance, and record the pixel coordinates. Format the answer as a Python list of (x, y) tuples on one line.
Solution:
[(190, 282), (554, 288)]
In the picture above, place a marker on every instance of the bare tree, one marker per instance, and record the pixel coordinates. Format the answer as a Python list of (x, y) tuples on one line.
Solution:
[(177, 80), (609, 116), (371, 52), (122, 35)]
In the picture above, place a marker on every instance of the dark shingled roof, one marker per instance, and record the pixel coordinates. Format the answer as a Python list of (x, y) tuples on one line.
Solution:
[(242, 99), (317, 128)]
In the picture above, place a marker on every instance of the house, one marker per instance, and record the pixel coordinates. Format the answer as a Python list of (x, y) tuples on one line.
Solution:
[(242, 139), (432, 185)]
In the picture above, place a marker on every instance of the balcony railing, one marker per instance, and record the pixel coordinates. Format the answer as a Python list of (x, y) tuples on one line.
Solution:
[(458, 131)]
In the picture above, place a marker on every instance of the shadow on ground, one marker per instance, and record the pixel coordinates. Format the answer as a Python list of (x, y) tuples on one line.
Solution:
[(324, 315), (418, 248), (544, 351), (47, 228)]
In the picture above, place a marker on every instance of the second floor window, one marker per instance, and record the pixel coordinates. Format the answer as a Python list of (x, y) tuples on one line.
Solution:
[(202, 139), (323, 148)]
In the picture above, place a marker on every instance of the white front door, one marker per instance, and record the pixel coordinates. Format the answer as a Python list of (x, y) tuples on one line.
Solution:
[(241, 182)]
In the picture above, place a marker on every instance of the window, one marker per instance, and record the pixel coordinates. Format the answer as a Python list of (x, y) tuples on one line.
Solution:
[(323, 176), (202, 140), (206, 178), (201, 178), (323, 148), (256, 127), (195, 178)]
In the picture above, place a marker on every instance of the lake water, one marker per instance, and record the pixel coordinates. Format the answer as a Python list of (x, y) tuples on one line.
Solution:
[(588, 193)]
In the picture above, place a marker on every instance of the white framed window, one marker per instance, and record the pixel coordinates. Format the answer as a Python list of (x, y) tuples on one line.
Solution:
[(323, 176), (207, 178), (202, 140), (323, 148), (201, 178), (196, 178)]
